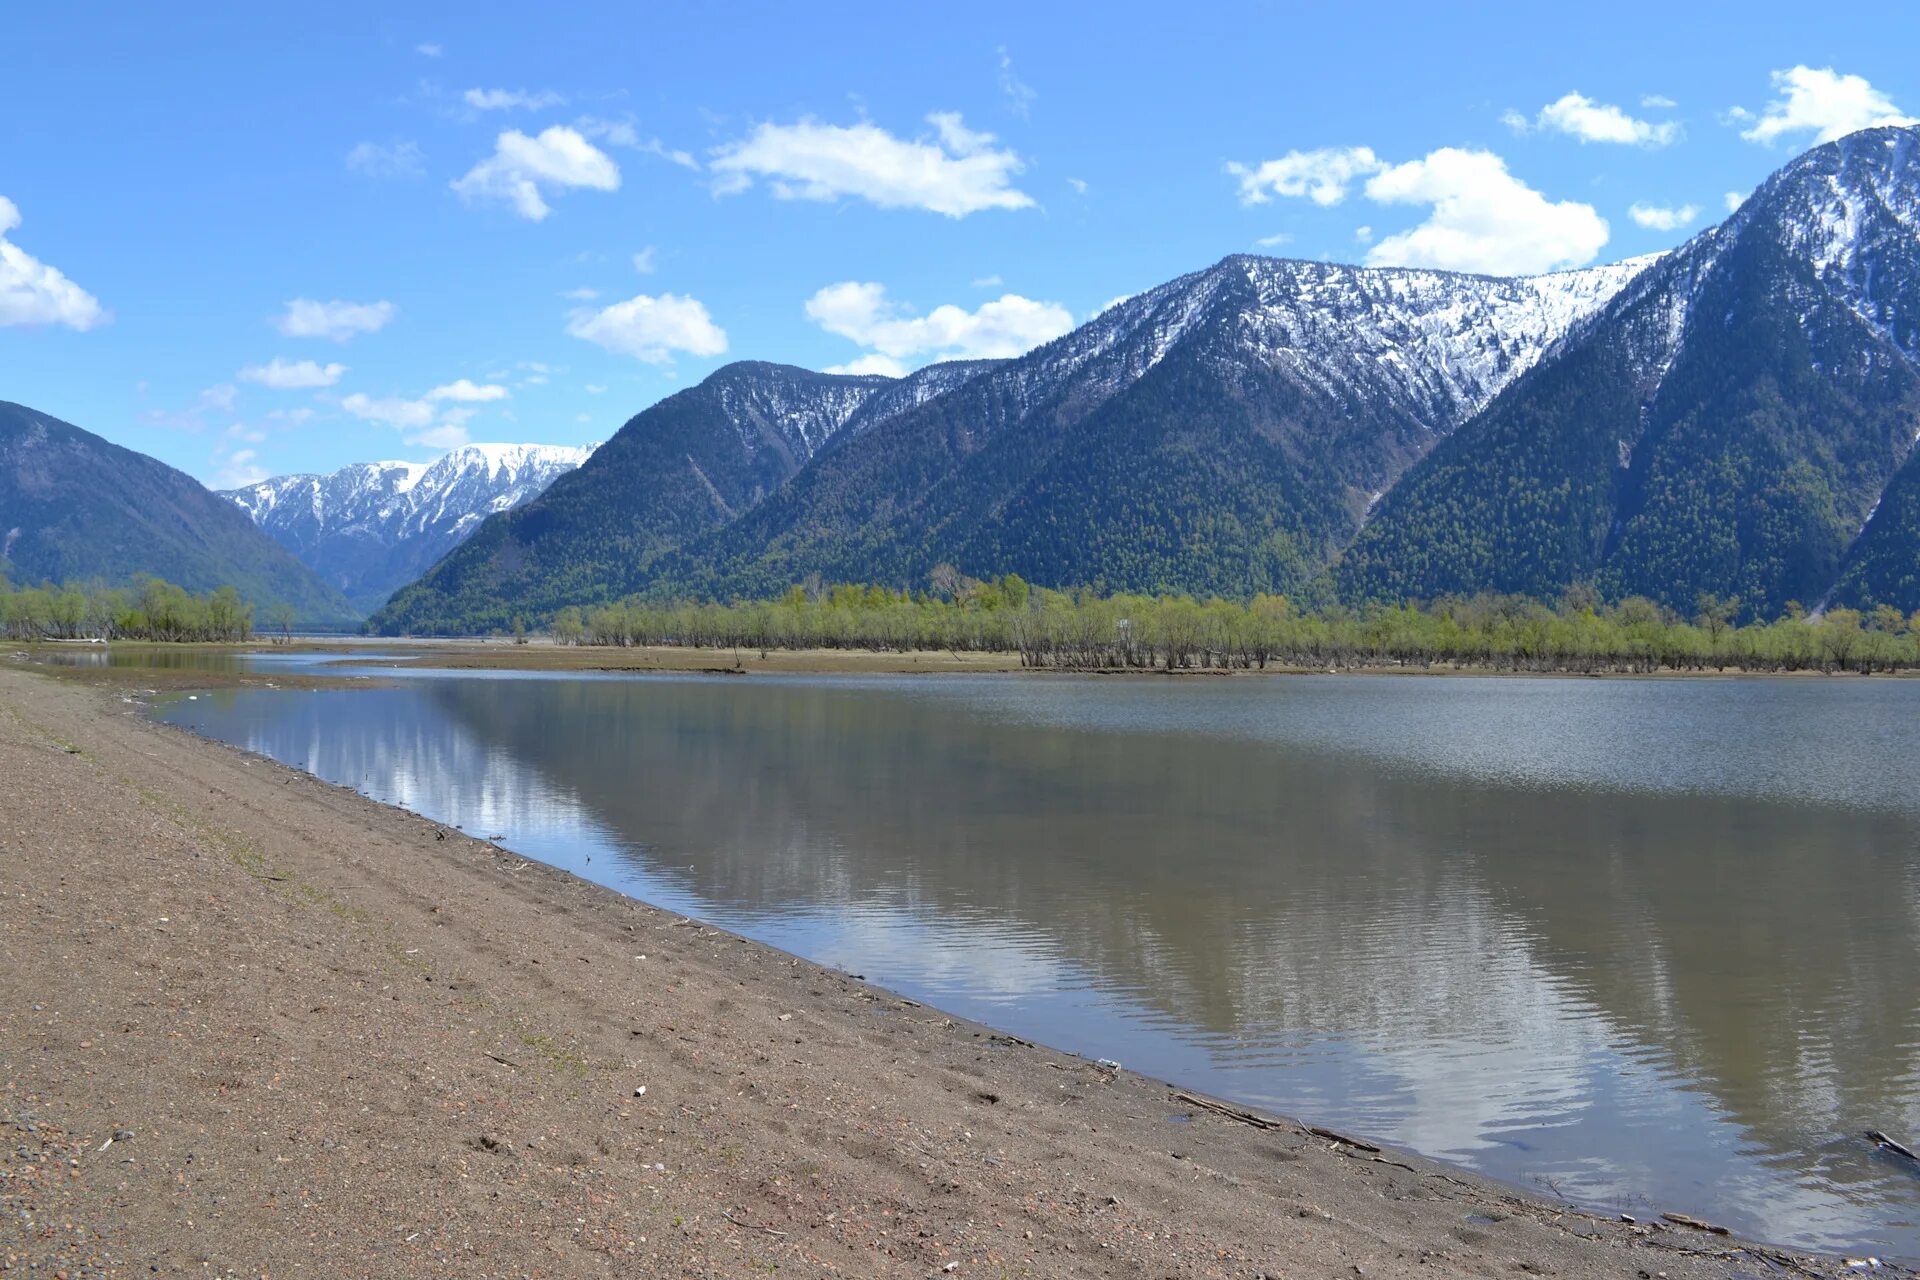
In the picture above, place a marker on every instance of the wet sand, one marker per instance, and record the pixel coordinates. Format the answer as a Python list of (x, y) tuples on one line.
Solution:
[(254, 1024)]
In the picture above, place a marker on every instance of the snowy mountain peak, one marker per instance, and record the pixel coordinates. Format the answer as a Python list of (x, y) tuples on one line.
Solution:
[(370, 527)]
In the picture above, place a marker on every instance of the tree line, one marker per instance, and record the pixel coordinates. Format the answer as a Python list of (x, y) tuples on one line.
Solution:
[(1086, 630), (150, 609)]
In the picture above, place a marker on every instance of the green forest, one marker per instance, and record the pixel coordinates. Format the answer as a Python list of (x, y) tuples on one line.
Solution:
[(1089, 631), (150, 609)]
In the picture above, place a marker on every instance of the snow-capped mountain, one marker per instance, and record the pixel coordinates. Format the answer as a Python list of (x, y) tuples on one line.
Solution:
[(375, 526), (1338, 377), (1739, 421), (1735, 417)]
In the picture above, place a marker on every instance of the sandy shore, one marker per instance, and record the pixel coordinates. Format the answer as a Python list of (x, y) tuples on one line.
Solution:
[(253, 1024)]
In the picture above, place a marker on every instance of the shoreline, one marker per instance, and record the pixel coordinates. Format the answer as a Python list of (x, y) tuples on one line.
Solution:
[(319, 1017), (474, 654)]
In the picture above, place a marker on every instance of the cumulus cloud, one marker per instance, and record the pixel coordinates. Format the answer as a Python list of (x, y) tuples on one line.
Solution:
[(336, 321), (1323, 175), (445, 435), (643, 261), (393, 411), (1483, 219), (292, 375), (387, 160), (1657, 102), (871, 363), (582, 294), (1275, 240), (31, 292), (1822, 102), (1733, 200), (468, 392), (1579, 116), (523, 171), (652, 329), (511, 99), (1007, 326), (1663, 218), (428, 50), (956, 171), (238, 469)]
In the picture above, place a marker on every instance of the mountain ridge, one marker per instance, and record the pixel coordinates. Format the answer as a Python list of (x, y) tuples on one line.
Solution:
[(75, 506), (369, 528)]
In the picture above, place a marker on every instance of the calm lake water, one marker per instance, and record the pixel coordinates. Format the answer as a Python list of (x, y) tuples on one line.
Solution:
[(1649, 944)]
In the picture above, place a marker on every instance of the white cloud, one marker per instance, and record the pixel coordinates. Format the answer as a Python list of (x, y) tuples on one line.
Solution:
[(468, 392), (1363, 235), (239, 469), (1275, 240), (871, 363), (987, 282), (652, 329), (428, 50), (511, 99), (1662, 218), (596, 388), (1323, 175), (292, 417), (447, 435), (1657, 102), (336, 320), (1079, 185), (292, 375), (391, 410), (522, 171), (387, 160), (956, 172), (1820, 101), (219, 396), (622, 133), (1111, 303), (1007, 326), (1483, 218), (1579, 116), (643, 261), (1733, 200), (1018, 93), (582, 294), (31, 292)]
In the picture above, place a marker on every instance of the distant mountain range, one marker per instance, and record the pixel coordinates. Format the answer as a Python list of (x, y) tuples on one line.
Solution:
[(370, 528), (76, 507), (1224, 432), (1736, 417)]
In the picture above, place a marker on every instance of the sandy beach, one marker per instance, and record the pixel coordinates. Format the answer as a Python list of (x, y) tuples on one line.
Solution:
[(252, 1024)]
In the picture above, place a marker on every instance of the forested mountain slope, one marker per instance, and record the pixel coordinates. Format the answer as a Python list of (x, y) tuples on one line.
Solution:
[(76, 507), (1224, 432), (686, 465), (1727, 425)]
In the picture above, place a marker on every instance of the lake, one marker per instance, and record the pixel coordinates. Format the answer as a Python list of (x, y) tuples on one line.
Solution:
[(1643, 944)]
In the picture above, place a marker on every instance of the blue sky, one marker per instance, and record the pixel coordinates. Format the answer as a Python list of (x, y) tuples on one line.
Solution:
[(252, 241)]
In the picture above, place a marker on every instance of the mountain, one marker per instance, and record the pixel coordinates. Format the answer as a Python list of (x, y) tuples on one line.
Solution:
[(1737, 417), (1739, 421), (1224, 432), (370, 528), (73, 506), (688, 464)]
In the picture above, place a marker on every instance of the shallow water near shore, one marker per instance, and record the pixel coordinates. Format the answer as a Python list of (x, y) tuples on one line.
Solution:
[(1647, 945)]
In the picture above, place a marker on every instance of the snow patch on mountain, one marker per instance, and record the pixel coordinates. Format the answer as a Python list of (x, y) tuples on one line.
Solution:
[(367, 526)]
